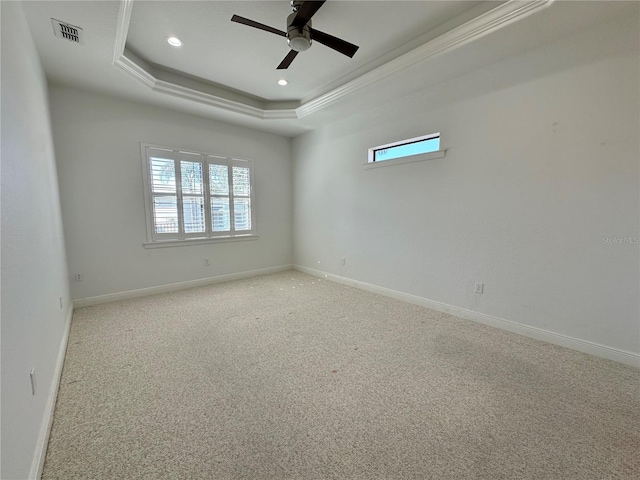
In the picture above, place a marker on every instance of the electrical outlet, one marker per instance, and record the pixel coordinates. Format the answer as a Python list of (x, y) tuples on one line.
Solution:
[(206, 262), (78, 277), (479, 287), (344, 261), (60, 302)]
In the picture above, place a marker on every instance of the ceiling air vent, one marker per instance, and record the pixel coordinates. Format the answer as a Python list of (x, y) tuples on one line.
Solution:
[(67, 31)]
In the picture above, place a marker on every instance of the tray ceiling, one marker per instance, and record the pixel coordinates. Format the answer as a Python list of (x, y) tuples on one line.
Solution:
[(245, 59), (227, 71)]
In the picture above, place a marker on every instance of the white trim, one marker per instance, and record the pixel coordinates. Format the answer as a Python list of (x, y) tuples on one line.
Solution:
[(37, 464), (489, 22), (136, 71), (146, 190), (421, 138), (480, 26), (206, 159), (199, 241), (143, 292), (584, 346), (122, 30), (413, 158), (214, 100)]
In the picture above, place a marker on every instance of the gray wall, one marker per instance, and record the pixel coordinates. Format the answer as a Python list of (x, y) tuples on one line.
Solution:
[(97, 141), (34, 269), (541, 171)]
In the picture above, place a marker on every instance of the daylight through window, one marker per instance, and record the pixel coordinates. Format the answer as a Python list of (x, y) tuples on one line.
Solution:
[(405, 148), (193, 195)]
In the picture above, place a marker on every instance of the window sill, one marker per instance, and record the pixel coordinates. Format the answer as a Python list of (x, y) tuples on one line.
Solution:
[(399, 161), (198, 241)]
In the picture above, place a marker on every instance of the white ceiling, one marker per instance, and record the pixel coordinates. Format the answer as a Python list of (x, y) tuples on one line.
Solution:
[(227, 71), (245, 58)]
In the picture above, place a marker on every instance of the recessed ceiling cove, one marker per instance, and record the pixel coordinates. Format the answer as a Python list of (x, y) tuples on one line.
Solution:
[(225, 64), (244, 59)]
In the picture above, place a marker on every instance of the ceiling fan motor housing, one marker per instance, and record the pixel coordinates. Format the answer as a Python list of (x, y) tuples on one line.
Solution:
[(296, 4), (299, 39)]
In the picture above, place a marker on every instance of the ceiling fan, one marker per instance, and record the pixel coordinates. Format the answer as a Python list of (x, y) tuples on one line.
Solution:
[(299, 32)]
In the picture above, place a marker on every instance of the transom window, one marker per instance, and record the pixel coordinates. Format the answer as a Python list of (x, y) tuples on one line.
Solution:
[(426, 147), (195, 195)]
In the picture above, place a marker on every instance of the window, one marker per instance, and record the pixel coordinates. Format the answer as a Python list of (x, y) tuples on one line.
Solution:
[(411, 150), (194, 195)]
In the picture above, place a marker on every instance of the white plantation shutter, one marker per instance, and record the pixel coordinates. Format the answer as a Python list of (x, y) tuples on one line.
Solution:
[(241, 198), (219, 189), (193, 198), (194, 195), (164, 193)]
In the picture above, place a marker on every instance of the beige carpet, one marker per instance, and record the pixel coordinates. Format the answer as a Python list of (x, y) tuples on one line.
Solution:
[(289, 377)]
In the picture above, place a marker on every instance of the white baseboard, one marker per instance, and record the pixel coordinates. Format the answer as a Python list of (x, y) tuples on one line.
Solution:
[(143, 292), (603, 351), (40, 453)]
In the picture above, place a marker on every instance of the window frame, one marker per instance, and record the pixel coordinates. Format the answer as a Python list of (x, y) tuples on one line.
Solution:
[(373, 163), (179, 155)]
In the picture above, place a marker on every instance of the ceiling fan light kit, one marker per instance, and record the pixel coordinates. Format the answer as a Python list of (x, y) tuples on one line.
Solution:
[(299, 32), (299, 39)]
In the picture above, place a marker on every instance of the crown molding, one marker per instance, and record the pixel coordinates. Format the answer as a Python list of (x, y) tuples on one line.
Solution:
[(221, 102), (491, 21), (136, 70), (480, 26), (122, 29)]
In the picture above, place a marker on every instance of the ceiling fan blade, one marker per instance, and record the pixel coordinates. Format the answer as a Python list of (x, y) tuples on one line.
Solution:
[(260, 26), (306, 11), (339, 45), (287, 60)]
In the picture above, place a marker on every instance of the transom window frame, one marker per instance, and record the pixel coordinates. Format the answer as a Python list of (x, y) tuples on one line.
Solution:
[(372, 162), (182, 238)]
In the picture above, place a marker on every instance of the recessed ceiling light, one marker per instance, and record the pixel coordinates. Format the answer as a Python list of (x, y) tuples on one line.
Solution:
[(174, 41), (282, 82)]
